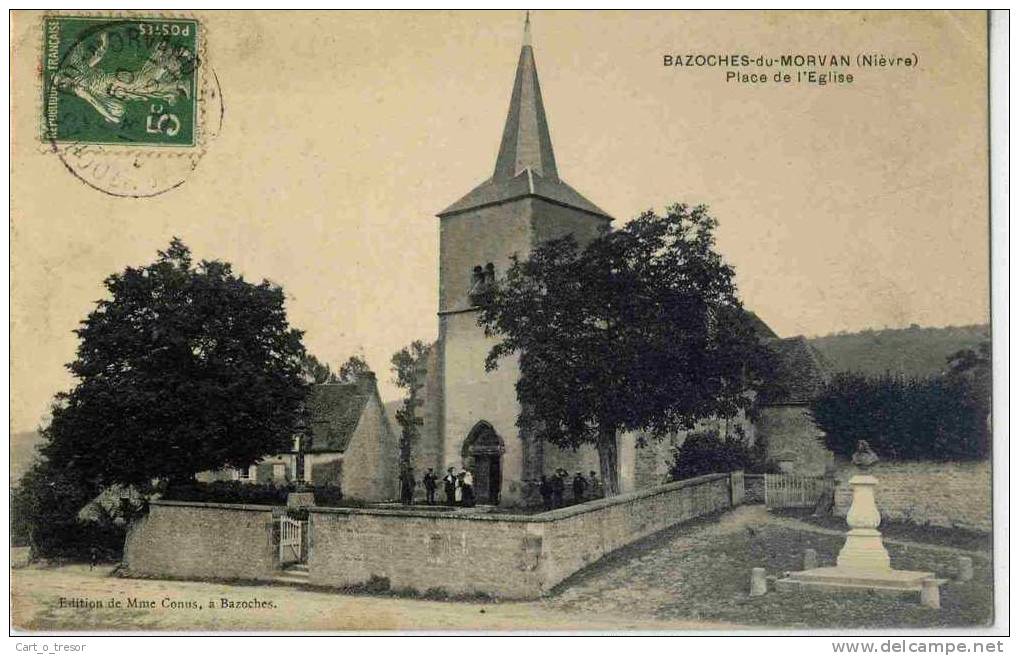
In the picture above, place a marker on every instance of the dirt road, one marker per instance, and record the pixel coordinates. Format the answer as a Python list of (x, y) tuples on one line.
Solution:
[(36, 600)]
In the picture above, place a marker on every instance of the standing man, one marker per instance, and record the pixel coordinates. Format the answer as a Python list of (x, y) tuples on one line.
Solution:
[(449, 486), (558, 487), (595, 485), (545, 488), (468, 485), (430, 480), (407, 487), (579, 485)]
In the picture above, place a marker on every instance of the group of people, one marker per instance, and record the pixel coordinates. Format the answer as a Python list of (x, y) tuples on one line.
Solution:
[(553, 488), (457, 486)]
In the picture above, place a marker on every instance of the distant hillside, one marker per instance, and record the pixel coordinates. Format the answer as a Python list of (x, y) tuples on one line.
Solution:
[(912, 351), (23, 453)]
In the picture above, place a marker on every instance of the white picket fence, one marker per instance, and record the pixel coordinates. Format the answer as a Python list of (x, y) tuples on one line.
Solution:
[(737, 489), (791, 491), (290, 539)]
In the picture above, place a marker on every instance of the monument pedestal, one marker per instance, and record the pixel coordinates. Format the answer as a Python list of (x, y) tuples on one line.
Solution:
[(863, 564), (839, 579)]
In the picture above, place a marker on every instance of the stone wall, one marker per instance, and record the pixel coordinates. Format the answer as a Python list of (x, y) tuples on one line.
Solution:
[(573, 540), (324, 469), (511, 556), (952, 494), (370, 463), (652, 462), (427, 451), (650, 465), (793, 440), (202, 541)]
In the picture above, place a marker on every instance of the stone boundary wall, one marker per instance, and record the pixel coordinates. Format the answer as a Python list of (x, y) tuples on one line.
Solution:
[(509, 556), (950, 494), (191, 540)]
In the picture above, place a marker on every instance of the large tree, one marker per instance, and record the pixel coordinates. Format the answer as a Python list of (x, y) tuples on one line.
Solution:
[(641, 329), (355, 367), (183, 368), (317, 372), (407, 368)]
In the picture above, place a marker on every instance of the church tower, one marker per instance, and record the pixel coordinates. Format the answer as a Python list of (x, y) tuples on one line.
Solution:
[(523, 203)]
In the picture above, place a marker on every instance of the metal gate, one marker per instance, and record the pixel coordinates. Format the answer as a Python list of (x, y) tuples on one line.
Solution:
[(290, 540), (791, 491)]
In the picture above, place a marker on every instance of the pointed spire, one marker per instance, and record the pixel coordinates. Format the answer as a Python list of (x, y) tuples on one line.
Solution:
[(526, 143)]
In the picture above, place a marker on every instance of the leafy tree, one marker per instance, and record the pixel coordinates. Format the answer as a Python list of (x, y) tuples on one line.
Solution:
[(639, 330), (971, 369), (317, 372), (183, 368), (407, 364), (354, 367)]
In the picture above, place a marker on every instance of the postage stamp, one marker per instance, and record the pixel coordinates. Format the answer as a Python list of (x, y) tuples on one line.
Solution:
[(120, 81), (129, 103)]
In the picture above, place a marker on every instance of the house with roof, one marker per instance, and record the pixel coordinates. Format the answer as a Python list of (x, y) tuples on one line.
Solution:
[(791, 437), (350, 444)]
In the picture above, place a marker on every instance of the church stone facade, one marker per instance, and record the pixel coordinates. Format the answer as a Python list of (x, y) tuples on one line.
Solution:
[(469, 414)]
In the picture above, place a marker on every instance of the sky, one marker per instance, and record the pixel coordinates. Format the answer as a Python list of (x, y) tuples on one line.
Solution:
[(841, 207)]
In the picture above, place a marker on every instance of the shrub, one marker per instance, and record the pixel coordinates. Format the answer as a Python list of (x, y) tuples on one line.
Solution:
[(45, 515), (256, 494), (704, 452), (933, 418), (227, 492)]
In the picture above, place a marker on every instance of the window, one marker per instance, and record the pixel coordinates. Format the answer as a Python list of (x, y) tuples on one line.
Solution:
[(481, 279), (279, 472), (243, 473)]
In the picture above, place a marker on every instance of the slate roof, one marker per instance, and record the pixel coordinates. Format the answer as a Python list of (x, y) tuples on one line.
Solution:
[(335, 410), (526, 183), (802, 371), (525, 165), (762, 329)]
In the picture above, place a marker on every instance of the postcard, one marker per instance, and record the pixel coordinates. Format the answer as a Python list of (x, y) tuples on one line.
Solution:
[(584, 321)]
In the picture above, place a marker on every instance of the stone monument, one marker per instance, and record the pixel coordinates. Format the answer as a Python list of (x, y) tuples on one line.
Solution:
[(863, 563), (863, 549)]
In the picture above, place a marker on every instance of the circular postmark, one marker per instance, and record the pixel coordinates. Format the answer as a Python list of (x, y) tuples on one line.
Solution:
[(130, 103)]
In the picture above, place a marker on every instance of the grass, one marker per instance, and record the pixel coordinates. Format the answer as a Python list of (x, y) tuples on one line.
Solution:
[(717, 588), (949, 537)]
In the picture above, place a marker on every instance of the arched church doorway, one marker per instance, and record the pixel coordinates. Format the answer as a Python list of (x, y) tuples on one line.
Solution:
[(482, 454)]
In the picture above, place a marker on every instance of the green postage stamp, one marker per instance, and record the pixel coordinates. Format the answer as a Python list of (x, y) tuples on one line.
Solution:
[(128, 81)]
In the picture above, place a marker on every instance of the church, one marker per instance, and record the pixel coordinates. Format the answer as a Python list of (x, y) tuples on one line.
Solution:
[(469, 415)]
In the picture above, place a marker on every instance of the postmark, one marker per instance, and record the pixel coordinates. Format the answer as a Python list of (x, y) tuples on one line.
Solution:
[(129, 103)]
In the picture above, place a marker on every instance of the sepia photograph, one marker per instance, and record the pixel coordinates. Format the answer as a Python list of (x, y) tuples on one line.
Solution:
[(537, 321)]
